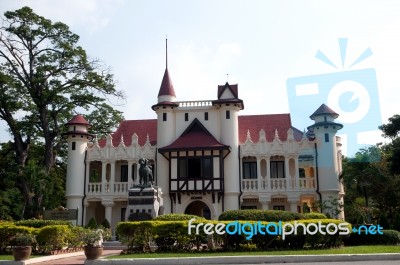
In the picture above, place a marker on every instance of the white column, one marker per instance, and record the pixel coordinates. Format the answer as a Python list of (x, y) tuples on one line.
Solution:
[(103, 176), (287, 175), (293, 206), (137, 174), (112, 176), (108, 204), (259, 178), (296, 173), (85, 205), (268, 161), (130, 180), (87, 175)]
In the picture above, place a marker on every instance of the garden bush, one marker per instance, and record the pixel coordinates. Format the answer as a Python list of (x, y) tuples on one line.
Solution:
[(389, 237), (259, 215), (136, 235), (9, 230), (53, 237)]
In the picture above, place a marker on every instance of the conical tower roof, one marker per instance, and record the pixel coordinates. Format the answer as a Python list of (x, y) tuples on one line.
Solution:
[(166, 89), (324, 110)]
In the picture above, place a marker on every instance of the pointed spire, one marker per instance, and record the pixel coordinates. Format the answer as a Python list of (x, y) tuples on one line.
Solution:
[(290, 135), (167, 92), (304, 134), (248, 136), (96, 141), (276, 137), (135, 139), (121, 143), (262, 137)]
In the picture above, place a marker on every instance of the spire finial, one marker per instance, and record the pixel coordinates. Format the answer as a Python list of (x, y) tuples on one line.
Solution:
[(166, 52), (227, 78)]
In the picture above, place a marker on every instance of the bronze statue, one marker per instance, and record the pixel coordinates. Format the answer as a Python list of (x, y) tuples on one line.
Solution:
[(145, 173)]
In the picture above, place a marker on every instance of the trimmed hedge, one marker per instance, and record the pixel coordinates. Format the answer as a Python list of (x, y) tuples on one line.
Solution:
[(173, 236), (389, 237), (9, 230), (41, 223), (177, 217), (267, 215), (53, 237)]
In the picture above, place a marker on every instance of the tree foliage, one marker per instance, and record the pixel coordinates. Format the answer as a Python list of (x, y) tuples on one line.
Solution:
[(372, 180), (46, 77)]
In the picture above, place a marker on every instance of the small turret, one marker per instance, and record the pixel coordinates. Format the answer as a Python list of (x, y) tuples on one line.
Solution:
[(77, 137), (324, 130)]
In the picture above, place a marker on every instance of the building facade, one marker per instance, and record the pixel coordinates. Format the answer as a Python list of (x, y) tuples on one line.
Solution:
[(206, 158)]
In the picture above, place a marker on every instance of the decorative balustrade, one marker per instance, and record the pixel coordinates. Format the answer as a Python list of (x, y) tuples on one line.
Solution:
[(249, 184), (194, 104), (278, 184), (98, 188)]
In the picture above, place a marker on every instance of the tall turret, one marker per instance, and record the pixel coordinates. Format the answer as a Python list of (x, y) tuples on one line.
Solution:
[(229, 106), (77, 138), (325, 129), (166, 124)]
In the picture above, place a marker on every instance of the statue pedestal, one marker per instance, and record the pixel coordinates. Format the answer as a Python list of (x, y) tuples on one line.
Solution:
[(144, 199)]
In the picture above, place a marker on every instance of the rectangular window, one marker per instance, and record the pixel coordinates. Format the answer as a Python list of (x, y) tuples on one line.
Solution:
[(123, 212), (279, 207), (326, 137), (228, 114), (73, 145), (249, 170), (195, 167), (186, 116), (206, 116), (277, 169), (124, 173), (302, 173), (164, 116)]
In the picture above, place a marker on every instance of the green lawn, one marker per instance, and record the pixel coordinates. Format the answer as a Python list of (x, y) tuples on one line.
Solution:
[(343, 250)]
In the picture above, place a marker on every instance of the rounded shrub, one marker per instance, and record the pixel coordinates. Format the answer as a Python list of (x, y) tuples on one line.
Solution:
[(53, 237), (389, 237), (259, 215)]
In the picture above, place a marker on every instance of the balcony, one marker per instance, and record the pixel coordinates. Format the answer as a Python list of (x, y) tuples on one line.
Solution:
[(99, 188), (278, 184)]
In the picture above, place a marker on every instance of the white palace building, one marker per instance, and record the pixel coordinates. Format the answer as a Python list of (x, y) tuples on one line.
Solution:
[(206, 159)]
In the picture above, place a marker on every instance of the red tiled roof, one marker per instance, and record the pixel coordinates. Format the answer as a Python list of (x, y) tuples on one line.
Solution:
[(166, 89), (128, 127), (324, 109), (268, 122), (196, 136), (77, 120)]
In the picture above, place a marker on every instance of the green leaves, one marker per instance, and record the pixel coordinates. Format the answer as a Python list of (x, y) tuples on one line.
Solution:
[(46, 77)]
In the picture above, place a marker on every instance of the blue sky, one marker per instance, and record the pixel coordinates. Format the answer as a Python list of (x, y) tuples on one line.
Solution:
[(260, 44)]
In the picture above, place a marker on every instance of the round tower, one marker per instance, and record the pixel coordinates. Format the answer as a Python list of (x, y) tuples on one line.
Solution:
[(229, 106), (77, 138), (325, 129), (165, 109)]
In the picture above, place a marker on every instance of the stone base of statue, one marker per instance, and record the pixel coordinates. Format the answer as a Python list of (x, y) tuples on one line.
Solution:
[(144, 203)]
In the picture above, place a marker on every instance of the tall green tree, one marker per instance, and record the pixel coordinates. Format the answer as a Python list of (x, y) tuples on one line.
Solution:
[(46, 77)]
